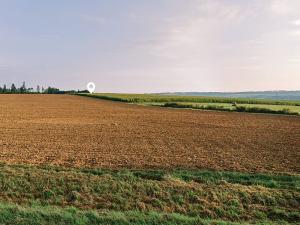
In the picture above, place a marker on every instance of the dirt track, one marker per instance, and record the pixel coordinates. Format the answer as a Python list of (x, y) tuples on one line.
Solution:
[(78, 131)]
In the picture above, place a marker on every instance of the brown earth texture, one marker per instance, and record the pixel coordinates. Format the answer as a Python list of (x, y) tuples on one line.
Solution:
[(78, 131)]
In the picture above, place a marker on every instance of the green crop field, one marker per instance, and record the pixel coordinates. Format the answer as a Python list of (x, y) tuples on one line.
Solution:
[(208, 103), (165, 98), (56, 195)]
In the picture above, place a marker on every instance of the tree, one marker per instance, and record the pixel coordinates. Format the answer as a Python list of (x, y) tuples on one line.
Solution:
[(30, 90), (38, 89), (23, 88), (4, 88), (13, 88), (52, 90)]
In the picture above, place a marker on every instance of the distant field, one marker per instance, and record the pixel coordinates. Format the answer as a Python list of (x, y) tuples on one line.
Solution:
[(195, 99), (229, 106), (209, 103), (276, 95), (273, 107)]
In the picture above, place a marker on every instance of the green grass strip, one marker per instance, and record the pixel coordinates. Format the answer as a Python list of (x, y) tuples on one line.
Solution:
[(213, 195), (39, 215)]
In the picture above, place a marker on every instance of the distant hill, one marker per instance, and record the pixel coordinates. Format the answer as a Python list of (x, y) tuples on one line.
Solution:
[(275, 95)]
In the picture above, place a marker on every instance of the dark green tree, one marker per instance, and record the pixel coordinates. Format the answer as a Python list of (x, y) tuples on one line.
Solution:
[(23, 88), (13, 88), (29, 90), (52, 90), (4, 88)]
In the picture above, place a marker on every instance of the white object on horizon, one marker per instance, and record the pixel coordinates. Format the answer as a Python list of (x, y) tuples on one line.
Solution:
[(91, 87)]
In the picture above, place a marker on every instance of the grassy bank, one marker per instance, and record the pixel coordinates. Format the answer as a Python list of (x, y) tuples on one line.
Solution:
[(146, 196), (207, 103)]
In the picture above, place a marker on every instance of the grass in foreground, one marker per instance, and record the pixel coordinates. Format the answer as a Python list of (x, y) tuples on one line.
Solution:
[(37, 215), (146, 197)]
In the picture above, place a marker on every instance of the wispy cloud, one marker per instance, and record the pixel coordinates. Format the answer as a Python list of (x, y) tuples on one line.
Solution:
[(3, 63), (295, 61), (49, 36), (194, 44), (94, 19), (296, 22), (281, 7), (197, 35), (295, 32)]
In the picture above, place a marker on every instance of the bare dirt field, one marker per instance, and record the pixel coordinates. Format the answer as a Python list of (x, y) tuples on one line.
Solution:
[(84, 132)]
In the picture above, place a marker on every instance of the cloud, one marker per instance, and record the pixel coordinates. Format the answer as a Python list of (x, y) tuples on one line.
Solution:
[(280, 7), (197, 33), (4, 63), (195, 44), (295, 61), (220, 10), (49, 36), (295, 33), (296, 22), (223, 39), (94, 19)]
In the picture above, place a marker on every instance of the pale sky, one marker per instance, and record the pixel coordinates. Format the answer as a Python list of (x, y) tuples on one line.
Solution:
[(151, 45)]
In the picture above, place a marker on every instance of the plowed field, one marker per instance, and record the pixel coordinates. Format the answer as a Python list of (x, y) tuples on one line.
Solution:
[(84, 132)]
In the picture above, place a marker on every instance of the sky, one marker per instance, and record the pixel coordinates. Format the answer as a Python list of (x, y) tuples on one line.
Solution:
[(141, 46)]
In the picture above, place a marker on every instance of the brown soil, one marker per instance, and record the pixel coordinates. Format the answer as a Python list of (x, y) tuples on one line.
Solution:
[(84, 132)]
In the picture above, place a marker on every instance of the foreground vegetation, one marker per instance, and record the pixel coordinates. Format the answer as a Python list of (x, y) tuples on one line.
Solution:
[(55, 195), (37, 215), (207, 103)]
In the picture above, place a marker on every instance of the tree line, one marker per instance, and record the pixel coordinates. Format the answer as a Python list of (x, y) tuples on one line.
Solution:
[(13, 89)]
